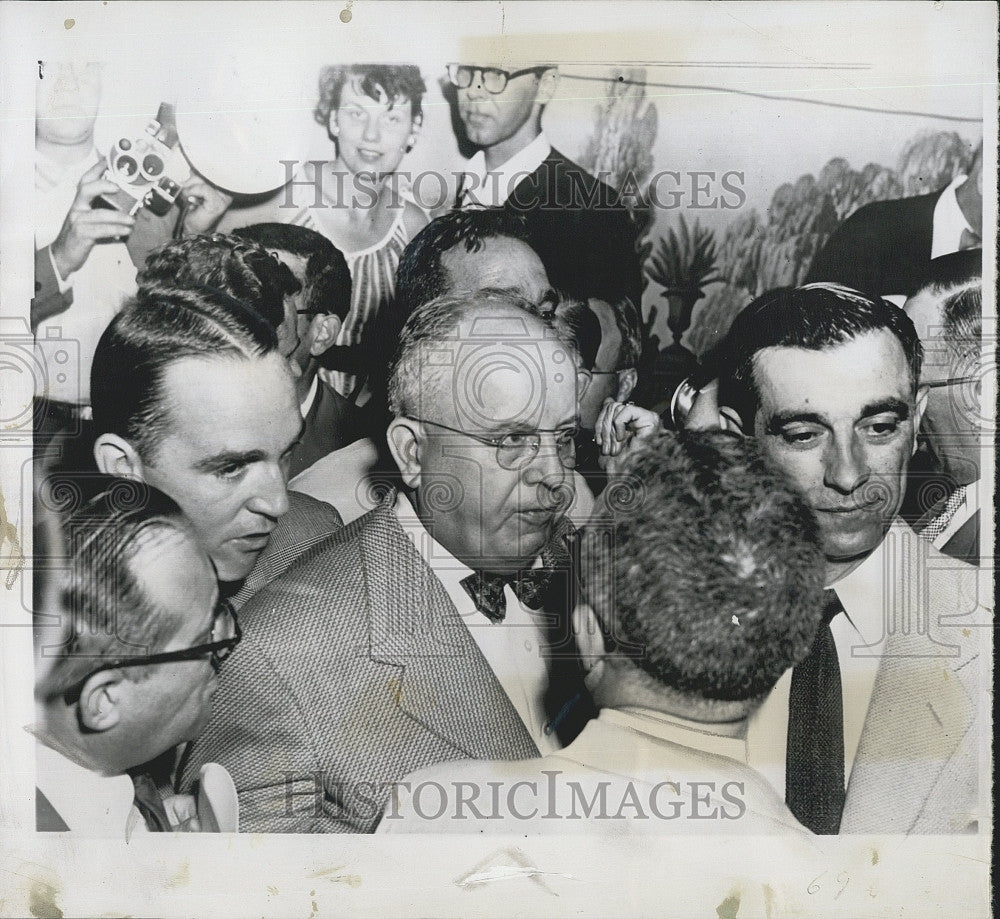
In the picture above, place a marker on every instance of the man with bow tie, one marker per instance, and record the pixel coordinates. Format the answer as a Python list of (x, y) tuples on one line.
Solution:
[(428, 630)]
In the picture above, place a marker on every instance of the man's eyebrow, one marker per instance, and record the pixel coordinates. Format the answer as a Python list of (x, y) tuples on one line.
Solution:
[(897, 406), (779, 419), (228, 458)]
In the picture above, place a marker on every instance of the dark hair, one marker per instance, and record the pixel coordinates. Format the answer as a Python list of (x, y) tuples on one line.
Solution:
[(159, 326), (717, 578), (579, 325), (815, 317), (327, 277), (962, 315), (105, 611), (629, 324), (421, 277), (237, 267), (399, 82)]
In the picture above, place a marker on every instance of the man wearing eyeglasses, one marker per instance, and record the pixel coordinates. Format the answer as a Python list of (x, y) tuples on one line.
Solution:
[(578, 224), (948, 314), (424, 631), (132, 651), (877, 730)]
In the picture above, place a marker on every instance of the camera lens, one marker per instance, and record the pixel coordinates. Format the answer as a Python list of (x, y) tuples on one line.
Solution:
[(152, 166), (126, 166)]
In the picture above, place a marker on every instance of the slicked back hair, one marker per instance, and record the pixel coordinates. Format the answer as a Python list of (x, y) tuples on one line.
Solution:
[(717, 575), (815, 317), (238, 267), (106, 612), (159, 326), (327, 278), (421, 277)]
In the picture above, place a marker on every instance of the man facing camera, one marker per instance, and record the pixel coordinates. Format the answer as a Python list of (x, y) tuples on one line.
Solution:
[(706, 591), (577, 223), (877, 730), (142, 631), (191, 396), (422, 632)]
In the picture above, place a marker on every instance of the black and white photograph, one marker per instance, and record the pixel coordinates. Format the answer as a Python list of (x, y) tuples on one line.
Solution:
[(497, 458)]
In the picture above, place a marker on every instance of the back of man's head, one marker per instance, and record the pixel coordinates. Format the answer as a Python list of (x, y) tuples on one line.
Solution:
[(717, 577), (326, 278), (421, 276), (159, 326), (815, 317), (238, 267), (948, 307)]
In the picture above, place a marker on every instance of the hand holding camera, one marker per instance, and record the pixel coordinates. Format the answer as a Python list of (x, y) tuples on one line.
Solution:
[(86, 225)]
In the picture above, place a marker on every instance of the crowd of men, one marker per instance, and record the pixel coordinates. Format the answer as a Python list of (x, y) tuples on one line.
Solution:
[(497, 596)]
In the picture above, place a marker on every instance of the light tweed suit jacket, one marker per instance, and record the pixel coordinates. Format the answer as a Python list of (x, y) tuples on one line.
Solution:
[(355, 669), (304, 524), (918, 764)]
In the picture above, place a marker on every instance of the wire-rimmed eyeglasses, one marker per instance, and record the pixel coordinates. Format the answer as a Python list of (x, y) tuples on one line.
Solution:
[(516, 449)]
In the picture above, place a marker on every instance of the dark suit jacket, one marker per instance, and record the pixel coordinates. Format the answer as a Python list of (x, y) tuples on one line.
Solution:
[(882, 248), (581, 231), (355, 669), (332, 423)]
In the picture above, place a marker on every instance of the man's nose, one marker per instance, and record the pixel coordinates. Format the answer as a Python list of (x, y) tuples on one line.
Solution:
[(546, 468), (476, 90), (846, 466), (270, 496)]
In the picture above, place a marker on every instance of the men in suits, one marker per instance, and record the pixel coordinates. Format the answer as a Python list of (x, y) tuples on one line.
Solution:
[(885, 247), (886, 706), (321, 305), (707, 590), (131, 642), (577, 223), (414, 635), (948, 314), (191, 396)]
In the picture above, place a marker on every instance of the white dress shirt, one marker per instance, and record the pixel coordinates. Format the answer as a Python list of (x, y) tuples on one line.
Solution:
[(948, 222), (859, 635), (88, 803), (482, 189), (514, 648)]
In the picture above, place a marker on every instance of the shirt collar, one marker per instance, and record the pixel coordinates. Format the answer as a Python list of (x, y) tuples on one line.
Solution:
[(449, 570), (494, 190), (948, 221), (676, 730), (306, 405), (88, 802), (862, 591)]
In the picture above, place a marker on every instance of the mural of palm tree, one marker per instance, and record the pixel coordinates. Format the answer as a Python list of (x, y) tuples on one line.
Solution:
[(683, 263)]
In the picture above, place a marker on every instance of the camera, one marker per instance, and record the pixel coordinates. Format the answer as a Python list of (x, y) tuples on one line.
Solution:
[(149, 170)]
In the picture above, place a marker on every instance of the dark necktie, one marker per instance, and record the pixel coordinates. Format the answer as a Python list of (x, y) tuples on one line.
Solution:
[(814, 765), (486, 590), (150, 804)]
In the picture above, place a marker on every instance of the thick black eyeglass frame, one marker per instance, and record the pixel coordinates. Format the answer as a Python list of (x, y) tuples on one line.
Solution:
[(455, 69), (219, 650)]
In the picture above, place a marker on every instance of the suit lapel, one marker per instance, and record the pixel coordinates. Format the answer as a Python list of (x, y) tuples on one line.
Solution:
[(917, 716), (444, 683)]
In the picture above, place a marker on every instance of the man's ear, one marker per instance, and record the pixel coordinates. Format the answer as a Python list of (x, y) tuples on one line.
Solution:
[(547, 83), (100, 700), (116, 456), (626, 383), (404, 437), (918, 416), (323, 332)]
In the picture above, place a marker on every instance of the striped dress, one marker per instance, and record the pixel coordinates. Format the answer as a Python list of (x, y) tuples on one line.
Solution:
[(373, 284)]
